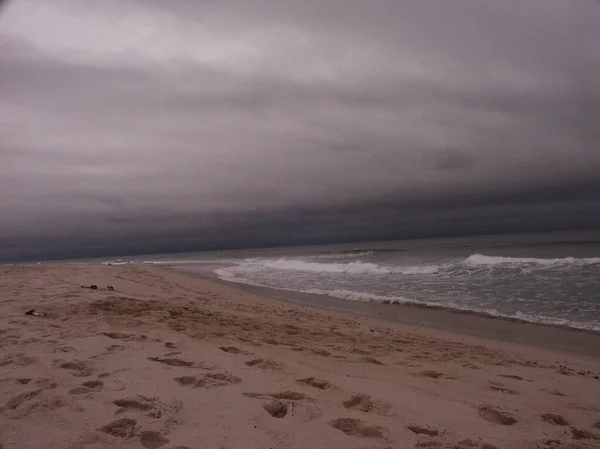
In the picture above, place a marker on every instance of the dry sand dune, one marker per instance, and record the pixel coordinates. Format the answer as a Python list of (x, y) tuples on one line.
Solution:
[(168, 360)]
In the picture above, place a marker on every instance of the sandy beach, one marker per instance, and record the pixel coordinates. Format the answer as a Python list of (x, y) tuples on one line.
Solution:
[(171, 360)]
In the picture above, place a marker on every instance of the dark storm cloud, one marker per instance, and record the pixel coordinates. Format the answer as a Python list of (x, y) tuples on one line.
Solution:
[(152, 126)]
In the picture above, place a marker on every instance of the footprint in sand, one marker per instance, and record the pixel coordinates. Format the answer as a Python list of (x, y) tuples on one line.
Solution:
[(503, 390), (79, 391), (581, 434), (553, 392), (112, 385), (364, 403), (172, 362), (356, 427), (462, 444), (300, 411), (277, 409), (321, 352), (122, 428), (305, 412), (19, 399), (87, 387), (286, 395), (435, 374), (372, 361), (208, 380), (114, 348), (299, 406), (64, 349), (18, 359), (496, 416), (423, 430), (265, 364), (554, 419), (315, 383), (117, 335), (152, 406), (79, 368), (27, 403), (46, 384), (152, 440), (470, 365), (24, 360), (94, 384), (139, 402), (234, 350), (511, 376)]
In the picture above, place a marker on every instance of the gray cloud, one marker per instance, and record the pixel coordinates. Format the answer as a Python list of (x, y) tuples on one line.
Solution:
[(152, 126)]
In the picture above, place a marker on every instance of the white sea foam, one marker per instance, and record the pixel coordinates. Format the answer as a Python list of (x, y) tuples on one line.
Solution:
[(227, 275), (357, 267), (351, 295), (360, 296), (419, 269), (483, 260), (368, 268), (183, 262)]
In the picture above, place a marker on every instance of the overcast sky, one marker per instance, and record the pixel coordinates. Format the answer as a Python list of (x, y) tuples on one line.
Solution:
[(136, 126)]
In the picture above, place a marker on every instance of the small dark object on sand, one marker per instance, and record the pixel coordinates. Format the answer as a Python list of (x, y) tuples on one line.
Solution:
[(109, 287), (93, 286), (32, 312)]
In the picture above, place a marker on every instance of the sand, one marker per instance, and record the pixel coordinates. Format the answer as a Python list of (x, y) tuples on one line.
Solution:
[(169, 360)]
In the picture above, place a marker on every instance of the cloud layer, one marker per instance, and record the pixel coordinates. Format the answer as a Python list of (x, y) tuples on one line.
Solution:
[(141, 126)]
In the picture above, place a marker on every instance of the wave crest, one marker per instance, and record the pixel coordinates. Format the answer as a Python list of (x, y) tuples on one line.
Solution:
[(458, 267), (483, 260), (318, 267), (356, 267)]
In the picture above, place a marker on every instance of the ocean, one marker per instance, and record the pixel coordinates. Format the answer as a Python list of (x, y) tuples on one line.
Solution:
[(551, 278)]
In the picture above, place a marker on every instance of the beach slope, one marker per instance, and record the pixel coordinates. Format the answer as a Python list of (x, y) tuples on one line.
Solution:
[(169, 360)]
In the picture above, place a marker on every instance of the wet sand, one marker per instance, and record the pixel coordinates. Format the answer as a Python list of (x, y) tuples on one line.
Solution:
[(170, 360), (562, 338)]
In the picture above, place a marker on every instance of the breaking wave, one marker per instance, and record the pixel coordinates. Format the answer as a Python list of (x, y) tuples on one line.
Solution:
[(355, 267), (515, 262), (464, 266), (361, 296), (318, 267)]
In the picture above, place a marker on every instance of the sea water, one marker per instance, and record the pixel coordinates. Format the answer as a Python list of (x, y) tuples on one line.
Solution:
[(542, 278)]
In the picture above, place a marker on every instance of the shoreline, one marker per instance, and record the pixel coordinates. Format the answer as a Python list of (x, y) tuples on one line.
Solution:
[(464, 322)]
